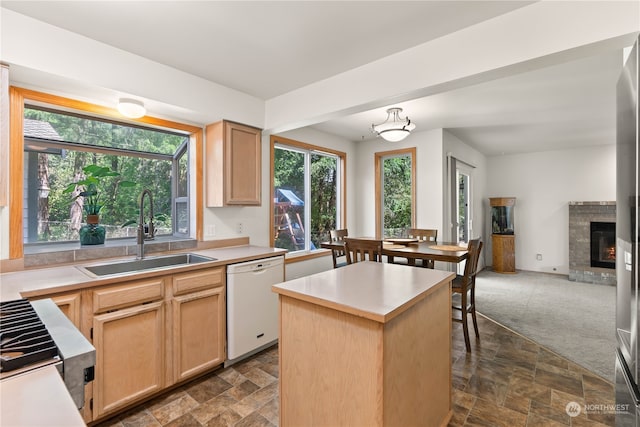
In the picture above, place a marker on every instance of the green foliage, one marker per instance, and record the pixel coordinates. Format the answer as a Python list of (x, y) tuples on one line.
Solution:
[(92, 184), (118, 202), (289, 174), (397, 194)]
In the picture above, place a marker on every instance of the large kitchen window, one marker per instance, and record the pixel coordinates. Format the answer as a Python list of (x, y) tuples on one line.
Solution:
[(307, 194), (59, 144)]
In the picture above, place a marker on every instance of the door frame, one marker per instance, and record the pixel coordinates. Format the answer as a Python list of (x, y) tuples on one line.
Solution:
[(379, 158)]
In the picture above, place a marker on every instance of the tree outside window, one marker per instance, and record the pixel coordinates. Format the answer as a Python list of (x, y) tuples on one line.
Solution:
[(57, 147), (395, 193), (306, 199)]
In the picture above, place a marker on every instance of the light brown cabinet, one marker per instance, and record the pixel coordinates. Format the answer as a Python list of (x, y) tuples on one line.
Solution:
[(152, 333), (233, 164), (503, 236), (69, 304), (504, 253), (129, 356), (149, 334), (129, 337), (198, 319)]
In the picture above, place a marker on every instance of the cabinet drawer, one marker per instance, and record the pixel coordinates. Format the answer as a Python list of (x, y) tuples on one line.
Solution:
[(198, 280), (128, 294)]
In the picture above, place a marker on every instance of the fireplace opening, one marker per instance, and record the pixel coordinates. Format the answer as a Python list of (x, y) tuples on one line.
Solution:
[(603, 244)]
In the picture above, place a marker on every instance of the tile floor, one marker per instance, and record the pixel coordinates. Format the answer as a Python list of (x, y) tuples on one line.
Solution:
[(506, 380)]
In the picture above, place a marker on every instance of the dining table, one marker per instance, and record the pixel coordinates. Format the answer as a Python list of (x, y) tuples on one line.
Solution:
[(412, 249)]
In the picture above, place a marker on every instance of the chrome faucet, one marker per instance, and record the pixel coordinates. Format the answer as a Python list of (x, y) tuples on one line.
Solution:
[(151, 232)]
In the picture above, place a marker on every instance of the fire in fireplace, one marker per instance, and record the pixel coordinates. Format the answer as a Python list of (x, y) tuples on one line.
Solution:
[(603, 244)]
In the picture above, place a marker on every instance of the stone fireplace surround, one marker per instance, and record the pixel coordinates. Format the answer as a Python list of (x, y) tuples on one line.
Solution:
[(581, 214)]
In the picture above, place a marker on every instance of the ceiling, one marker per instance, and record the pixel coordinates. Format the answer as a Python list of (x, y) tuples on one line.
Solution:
[(266, 49), (564, 106)]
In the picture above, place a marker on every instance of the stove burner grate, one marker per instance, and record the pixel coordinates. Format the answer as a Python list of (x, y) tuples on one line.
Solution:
[(24, 339)]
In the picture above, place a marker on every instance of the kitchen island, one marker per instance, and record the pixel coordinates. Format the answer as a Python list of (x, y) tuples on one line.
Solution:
[(366, 344)]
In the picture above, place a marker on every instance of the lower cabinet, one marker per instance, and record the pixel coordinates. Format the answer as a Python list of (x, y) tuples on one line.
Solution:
[(504, 253), (152, 333), (69, 304), (198, 332), (129, 356)]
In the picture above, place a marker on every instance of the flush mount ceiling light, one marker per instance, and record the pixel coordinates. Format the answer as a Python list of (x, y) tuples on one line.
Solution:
[(131, 108), (394, 128)]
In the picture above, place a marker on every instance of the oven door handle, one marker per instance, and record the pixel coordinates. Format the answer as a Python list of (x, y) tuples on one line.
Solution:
[(627, 378)]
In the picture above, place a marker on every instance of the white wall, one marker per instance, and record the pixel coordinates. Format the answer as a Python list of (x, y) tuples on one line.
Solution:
[(544, 183), (428, 180), (255, 220)]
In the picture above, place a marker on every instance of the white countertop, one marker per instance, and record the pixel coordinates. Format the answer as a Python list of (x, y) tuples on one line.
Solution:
[(42, 281), (374, 290), (40, 397), (23, 403)]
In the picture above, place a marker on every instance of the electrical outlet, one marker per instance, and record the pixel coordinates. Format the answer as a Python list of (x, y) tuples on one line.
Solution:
[(211, 230), (239, 228), (539, 257)]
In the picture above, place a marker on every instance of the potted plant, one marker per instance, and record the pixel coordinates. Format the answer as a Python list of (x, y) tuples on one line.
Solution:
[(92, 233)]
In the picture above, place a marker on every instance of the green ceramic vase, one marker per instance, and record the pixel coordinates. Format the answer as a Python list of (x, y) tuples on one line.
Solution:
[(92, 234)]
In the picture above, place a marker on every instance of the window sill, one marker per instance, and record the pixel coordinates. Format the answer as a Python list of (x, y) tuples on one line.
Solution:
[(36, 255)]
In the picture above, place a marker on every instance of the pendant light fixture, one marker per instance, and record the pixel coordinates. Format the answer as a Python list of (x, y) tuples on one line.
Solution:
[(131, 108), (394, 128)]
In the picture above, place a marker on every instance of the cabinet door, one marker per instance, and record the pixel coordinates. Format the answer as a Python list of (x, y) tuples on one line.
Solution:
[(198, 332), (129, 356), (504, 258), (234, 164), (69, 304), (242, 164)]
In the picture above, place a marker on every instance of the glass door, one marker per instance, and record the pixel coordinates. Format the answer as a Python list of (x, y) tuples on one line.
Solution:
[(461, 204), (464, 206), (395, 192)]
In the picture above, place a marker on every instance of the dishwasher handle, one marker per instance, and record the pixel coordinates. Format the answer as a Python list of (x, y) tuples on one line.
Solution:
[(255, 266)]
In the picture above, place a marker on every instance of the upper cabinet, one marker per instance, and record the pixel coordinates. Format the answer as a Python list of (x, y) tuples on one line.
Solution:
[(233, 165)]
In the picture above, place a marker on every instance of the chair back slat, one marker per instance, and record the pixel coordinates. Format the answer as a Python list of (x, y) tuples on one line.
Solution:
[(474, 248), (362, 250), (423, 234), (337, 236)]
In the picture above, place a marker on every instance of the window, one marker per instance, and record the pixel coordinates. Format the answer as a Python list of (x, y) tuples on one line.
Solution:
[(57, 145), (21, 99), (395, 192), (307, 189)]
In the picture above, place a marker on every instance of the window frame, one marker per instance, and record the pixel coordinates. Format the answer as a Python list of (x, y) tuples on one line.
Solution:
[(341, 182), (18, 97), (378, 168), (183, 150)]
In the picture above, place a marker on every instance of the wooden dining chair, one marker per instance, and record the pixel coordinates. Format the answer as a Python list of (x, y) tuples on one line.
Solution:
[(338, 236), (463, 291), (424, 235), (362, 250)]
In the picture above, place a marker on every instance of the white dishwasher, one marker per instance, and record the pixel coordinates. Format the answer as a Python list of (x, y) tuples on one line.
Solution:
[(252, 309)]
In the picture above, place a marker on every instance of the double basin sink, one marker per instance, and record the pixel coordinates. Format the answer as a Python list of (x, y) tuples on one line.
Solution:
[(152, 263)]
